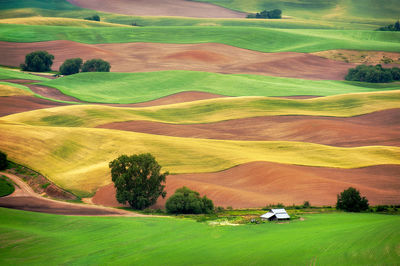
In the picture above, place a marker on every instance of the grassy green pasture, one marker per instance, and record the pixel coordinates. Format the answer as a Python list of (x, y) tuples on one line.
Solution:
[(51, 21), (61, 8), (348, 10), (16, 74), (140, 87), (77, 158), (212, 110), (260, 39), (326, 239), (6, 187)]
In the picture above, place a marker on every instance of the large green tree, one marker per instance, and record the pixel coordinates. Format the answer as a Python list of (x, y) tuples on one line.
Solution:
[(71, 66), (351, 201), (38, 61), (138, 180)]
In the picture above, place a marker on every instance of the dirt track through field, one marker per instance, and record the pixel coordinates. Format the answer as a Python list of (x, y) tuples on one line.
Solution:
[(24, 198), (181, 8), (378, 128), (257, 184), (209, 57)]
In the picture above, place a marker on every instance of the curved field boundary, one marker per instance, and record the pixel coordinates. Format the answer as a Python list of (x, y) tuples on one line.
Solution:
[(267, 40), (51, 21), (212, 110), (126, 88), (180, 8), (378, 128), (254, 185), (77, 158), (24, 198), (209, 57)]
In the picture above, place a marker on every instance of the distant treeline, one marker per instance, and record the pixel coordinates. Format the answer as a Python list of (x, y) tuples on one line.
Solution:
[(272, 14), (391, 27), (373, 74)]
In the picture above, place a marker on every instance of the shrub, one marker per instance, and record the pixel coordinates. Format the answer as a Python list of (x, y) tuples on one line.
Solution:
[(350, 200), (71, 66), (3, 161), (373, 74), (186, 201), (306, 204), (138, 180), (272, 14), (381, 208), (96, 65), (38, 61), (392, 27), (94, 17)]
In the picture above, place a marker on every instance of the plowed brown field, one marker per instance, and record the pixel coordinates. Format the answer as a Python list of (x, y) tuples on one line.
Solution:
[(260, 183), (378, 128), (210, 57), (182, 8)]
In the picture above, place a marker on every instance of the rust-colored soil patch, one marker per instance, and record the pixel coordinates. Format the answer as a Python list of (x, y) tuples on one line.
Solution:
[(182, 8), (260, 183), (18, 104), (24, 198), (210, 57), (378, 128), (361, 57)]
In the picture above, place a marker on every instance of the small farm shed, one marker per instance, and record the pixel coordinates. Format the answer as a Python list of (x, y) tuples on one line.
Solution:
[(275, 214)]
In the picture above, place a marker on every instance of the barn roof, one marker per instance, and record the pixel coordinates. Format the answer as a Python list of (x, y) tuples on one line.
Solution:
[(279, 213)]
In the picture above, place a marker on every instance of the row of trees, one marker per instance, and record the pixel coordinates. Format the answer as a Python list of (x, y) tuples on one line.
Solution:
[(391, 27), (41, 61), (373, 74), (139, 182), (94, 18), (271, 14)]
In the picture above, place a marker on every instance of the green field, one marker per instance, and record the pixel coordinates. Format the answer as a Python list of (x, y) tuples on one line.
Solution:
[(61, 8), (6, 73), (349, 10), (141, 87), (323, 239), (259, 39), (6, 187)]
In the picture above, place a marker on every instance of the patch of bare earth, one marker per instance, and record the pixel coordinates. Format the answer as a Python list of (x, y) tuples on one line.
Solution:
[(257, 184), (24, 198), (362, 57), (209, 57), (18, 104), (378, 128), (182, 8)]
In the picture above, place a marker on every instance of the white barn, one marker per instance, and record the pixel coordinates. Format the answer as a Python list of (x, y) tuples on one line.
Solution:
[(276, 214)]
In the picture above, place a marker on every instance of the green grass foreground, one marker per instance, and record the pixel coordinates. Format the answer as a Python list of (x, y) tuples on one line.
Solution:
[(6, 73), (140, 87), (259, 39), (324, 239)]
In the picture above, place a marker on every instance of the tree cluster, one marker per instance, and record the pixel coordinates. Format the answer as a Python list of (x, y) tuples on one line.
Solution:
[(391, 27), (186, 201), (74, 65), (38, 61), (3, 161), (94, 18), (138, 180), (351, 201), (373, 74), (272, 14)]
